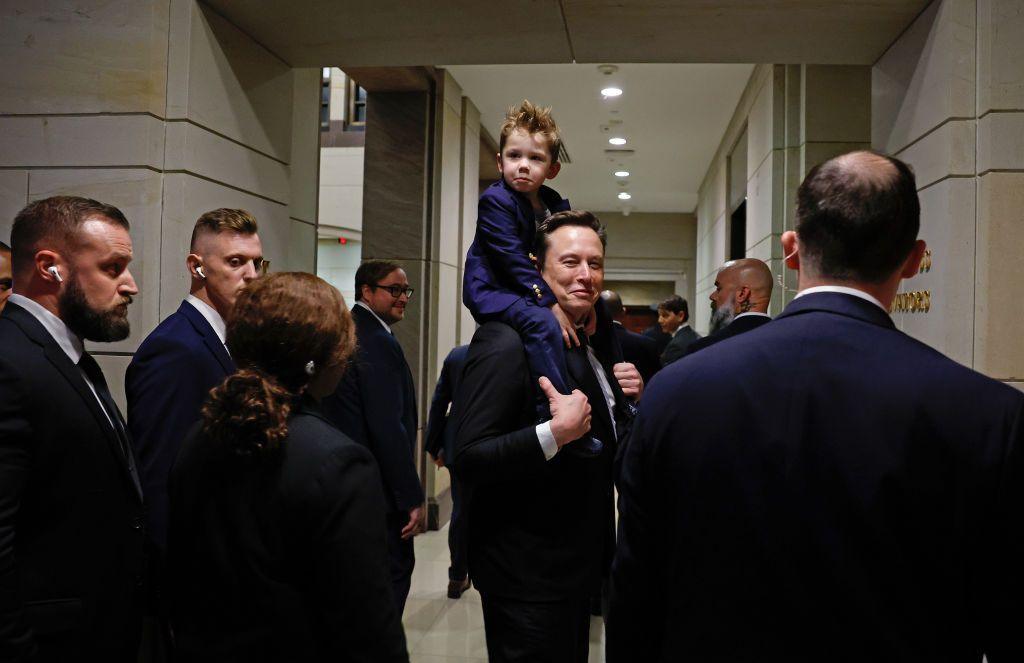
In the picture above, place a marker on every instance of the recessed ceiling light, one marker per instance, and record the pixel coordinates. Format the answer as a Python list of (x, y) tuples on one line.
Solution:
[(617, 141), (621, 173), (611, 92), (624, 196)]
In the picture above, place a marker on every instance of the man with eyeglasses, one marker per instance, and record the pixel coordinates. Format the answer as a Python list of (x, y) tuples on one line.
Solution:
[(375, 405)]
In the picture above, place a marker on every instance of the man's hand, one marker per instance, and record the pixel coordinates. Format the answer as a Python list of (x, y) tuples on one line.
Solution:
[(570, 415), (415, 524), (629, 380), (568, 327)]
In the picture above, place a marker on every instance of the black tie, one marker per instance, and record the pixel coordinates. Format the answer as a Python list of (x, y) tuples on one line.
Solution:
[(99, 383)]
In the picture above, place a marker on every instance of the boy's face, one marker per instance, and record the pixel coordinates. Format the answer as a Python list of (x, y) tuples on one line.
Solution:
[(526, 161)]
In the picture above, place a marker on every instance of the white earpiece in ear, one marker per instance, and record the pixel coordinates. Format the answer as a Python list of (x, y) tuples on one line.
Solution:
[(56, 273), (199, 271)]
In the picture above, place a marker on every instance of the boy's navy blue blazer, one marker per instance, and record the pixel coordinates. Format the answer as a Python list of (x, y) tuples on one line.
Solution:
[(166, 384), (498, 267)]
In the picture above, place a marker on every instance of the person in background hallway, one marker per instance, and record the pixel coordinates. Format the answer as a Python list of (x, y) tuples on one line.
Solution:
[(440, 443), (739, 302), (72, 529), (637, 349), (659, 337), (375, 405), (859, 496), (6, 279), (541, 520), (276, 545), (184, 357), (674, 318)]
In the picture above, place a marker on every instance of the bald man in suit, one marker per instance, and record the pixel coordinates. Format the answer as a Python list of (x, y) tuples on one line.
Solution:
[(739, 302)]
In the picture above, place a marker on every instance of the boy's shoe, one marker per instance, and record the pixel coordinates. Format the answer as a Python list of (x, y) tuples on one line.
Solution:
[(457, 587), (585, 447)]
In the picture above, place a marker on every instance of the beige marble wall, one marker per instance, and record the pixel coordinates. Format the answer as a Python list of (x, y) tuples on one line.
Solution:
[(947, 98), (165, 110)]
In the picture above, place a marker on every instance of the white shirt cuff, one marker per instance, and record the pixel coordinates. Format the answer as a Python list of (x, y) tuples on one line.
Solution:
[(547, 440)]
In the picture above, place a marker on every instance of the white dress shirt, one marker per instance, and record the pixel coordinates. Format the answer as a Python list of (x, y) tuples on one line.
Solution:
[(211, 316), (65, 338), (749, 313), (843, 290), (379, 319)]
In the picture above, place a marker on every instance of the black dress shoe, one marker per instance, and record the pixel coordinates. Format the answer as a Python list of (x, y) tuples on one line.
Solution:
[(585, 447), (457, 587)]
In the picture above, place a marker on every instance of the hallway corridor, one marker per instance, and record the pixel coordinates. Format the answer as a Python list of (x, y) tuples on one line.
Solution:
[(442, 630)]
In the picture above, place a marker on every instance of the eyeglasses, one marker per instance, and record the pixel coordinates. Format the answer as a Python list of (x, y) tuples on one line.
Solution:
[(396, 291), (5, 284)]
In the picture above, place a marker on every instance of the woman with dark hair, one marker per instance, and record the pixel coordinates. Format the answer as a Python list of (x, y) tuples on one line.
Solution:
[(276, 546)]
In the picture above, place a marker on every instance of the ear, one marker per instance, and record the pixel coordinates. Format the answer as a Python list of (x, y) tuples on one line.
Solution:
[(44, 260), (192, 262), (553, 170), (912, 265), (743, 294), (498, 161), (791, 249)]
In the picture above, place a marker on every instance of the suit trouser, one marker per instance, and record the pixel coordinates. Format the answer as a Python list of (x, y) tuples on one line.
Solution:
[(457, 531), (536, 632), (542, 339), (401, 558)]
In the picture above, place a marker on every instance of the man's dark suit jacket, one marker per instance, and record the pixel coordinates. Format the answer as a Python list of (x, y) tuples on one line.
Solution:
[(72, 533), (860, 500), (281, 560), (659, 337), (676, 348), (734, 328), (375, 405), (499, 271), (167, 383), (539, 530), (640, 351), (440, 435)]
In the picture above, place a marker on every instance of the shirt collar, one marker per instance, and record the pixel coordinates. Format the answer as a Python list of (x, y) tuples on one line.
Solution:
[(680, 327), (842, 290), (374, 314), (65, 338), (748, 313), (212, 316)]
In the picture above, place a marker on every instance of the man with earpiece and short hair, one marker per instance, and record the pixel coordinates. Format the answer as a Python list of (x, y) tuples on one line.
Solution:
[(185, 356)]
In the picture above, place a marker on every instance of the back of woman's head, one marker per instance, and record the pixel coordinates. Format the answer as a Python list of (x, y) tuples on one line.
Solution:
[(284, 329)]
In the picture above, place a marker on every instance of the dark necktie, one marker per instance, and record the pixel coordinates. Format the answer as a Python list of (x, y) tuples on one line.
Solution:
[(99, 383), (579, 365)]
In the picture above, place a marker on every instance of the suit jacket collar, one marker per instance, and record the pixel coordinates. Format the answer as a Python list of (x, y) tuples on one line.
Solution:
[(840, 304), (552, 200), (56, 355), (209, 335)]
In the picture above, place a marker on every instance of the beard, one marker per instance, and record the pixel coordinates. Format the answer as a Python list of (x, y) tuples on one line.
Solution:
[(87, 322), (722, 316)]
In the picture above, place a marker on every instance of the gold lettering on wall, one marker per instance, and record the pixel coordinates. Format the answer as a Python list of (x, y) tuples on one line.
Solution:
[(918, 301)]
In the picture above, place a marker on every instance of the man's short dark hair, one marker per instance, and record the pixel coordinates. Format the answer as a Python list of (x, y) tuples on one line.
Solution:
[(567, 218), (371, 272), (675, 305), (857, 219), (222, 220), (53, 223)]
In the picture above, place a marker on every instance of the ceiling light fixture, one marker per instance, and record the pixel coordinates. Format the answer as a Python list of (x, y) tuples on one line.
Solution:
[(621, 173), (617, 141), (611, 92), (624, 196)]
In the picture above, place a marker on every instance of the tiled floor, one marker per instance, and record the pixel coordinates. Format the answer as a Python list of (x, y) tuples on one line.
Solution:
[(439, 629)]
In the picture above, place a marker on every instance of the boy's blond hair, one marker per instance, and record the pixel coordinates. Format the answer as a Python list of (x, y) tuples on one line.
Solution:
[(533, 120)]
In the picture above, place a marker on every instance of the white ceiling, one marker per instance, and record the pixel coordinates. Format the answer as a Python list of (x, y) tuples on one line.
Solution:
[(673, 116)]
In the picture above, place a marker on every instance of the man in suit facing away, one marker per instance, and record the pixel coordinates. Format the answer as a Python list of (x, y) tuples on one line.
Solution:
[(541, 521), (674, 318), (637, 349), (72, 532), (375, 405), (185, 356), (860, 496), (440, 443), (739, 302)]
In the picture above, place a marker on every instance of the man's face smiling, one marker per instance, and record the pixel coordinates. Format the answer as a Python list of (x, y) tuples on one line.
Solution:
[(525, 162), (574, 269), (391, 309)]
